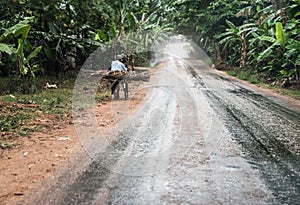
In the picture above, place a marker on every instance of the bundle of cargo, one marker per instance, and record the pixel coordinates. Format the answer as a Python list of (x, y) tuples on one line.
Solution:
[(115, 75), (110, 78)]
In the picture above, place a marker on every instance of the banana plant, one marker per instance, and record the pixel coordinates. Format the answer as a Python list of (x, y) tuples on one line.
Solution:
[(23, 63), (144, 31), (233, 38), (22, 28), (280, 39), (284, 52)]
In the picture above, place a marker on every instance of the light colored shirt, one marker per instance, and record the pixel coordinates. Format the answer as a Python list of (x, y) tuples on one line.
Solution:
[(118, 66)]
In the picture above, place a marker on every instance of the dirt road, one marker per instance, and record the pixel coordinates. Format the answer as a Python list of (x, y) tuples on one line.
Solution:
[(199, 138)]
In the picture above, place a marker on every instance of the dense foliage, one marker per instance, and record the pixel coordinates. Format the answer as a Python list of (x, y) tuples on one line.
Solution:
[(260, 35), (39, 37)]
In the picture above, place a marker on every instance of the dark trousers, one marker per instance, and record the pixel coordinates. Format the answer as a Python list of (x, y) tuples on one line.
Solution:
[(115, 84)]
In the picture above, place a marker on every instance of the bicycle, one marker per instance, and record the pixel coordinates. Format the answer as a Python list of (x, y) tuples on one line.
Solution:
[(117, 78)]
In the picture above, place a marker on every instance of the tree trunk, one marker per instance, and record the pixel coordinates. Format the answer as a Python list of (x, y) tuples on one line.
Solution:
[(218, 52), (243, 61), (297, 73)]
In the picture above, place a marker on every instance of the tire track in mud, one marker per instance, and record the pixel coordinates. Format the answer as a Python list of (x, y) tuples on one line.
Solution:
[(278, 166), (265, 103), (132, 152), (93, 179)]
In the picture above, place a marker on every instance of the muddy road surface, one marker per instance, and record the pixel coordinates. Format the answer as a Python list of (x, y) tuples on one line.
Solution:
[(199, 138)]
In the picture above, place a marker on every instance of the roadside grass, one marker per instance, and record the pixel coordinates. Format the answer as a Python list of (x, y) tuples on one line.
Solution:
[(256, 79), (286, 92), (19, 112), (23, 114), (245, 75)]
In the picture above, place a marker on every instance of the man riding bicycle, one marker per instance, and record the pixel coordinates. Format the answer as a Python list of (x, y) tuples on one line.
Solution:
[(117, 66)]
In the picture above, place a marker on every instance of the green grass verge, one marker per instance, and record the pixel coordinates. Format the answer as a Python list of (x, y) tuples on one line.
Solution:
[(20, 111), (245, 75), (256, 79), (285, 92)]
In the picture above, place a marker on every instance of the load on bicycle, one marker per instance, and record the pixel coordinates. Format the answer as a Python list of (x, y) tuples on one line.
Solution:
[(118, 75)]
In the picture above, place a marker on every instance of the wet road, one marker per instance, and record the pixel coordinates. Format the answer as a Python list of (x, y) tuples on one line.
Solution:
[(199, 138)]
